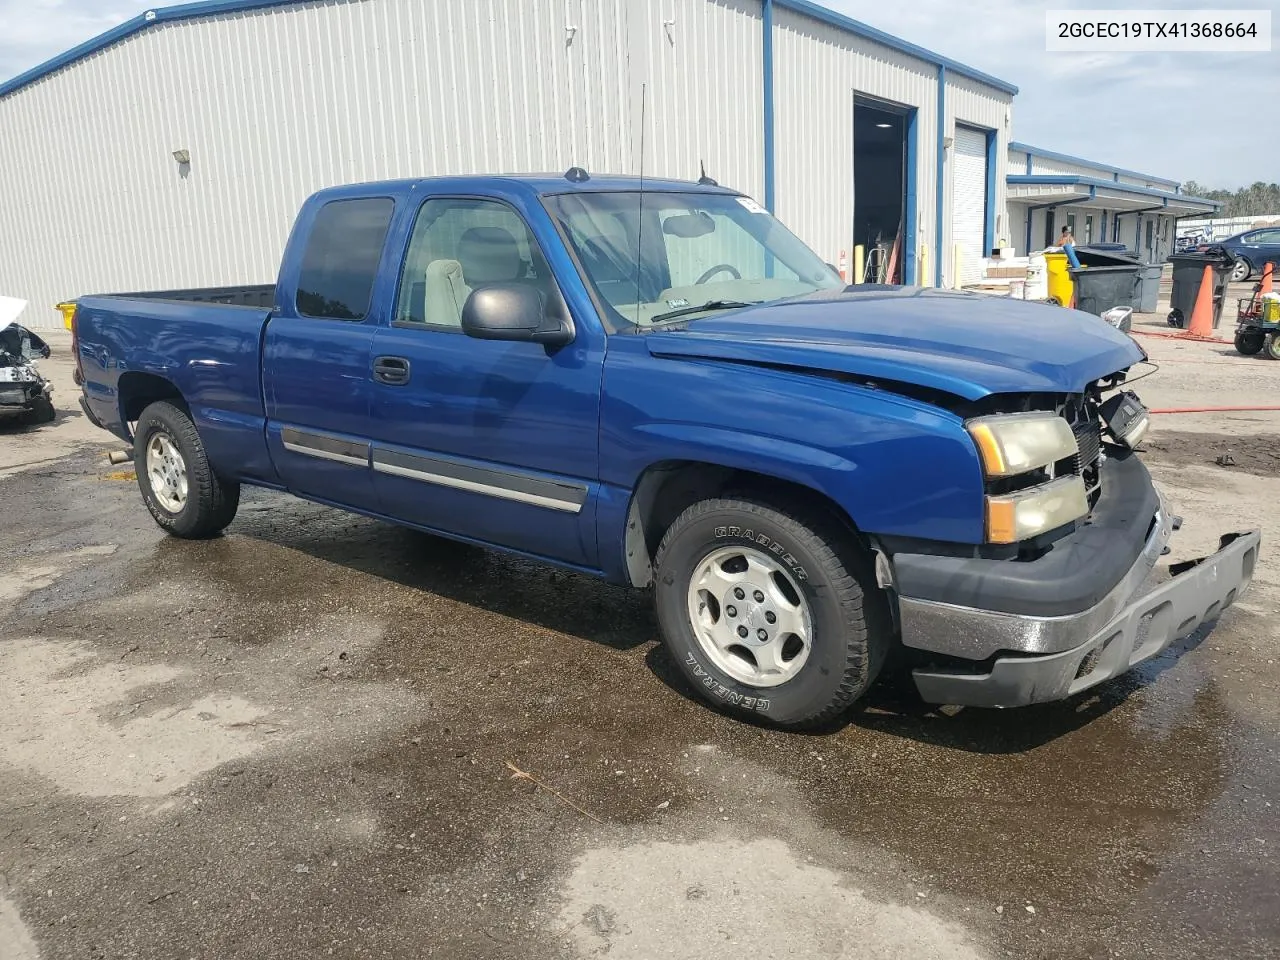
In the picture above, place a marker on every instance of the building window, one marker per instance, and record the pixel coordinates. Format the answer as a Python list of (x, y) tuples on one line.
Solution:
[(1151, 235), (340, 262), (1088, 229), (1071, 224), (1115, 229)]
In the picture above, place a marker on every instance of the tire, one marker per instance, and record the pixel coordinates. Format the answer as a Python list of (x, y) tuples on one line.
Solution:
[(168, 447), (1249, 342), (827, 574), (1241, 271), (42, 411), (1271, 348), (1175, 318)]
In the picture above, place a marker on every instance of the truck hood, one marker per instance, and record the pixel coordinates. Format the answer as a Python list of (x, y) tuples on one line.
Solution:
[(965, 344)]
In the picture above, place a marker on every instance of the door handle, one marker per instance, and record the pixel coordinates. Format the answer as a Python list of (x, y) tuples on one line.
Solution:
[(391, 370)]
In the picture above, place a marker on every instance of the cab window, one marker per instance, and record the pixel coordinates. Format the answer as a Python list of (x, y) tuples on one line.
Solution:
[(458, 245), (340, 261)]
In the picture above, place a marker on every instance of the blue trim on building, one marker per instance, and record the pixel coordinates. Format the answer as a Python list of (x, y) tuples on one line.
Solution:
[(1028, 164), (911, 176), (182, 11), (766, 12), (989, 228), (888, 40), (1054, 179), (1116, 172), (940, 180)]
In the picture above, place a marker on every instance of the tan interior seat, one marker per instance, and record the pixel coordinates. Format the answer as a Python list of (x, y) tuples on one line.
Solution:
[(446, 292)]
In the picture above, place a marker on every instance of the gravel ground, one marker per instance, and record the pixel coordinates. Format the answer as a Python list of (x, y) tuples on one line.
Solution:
[(319, 735)]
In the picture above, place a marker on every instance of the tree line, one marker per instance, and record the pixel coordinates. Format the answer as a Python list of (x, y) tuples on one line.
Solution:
[(1258, 200)]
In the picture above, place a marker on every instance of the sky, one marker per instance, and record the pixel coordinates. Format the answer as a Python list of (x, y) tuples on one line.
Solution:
[(1192, 116)]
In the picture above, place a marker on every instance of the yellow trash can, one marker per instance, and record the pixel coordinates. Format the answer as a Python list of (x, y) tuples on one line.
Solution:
[(68, 311), (1061, 286)]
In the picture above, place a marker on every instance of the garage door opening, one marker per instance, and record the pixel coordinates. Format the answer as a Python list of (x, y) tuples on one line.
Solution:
[(881, 164)]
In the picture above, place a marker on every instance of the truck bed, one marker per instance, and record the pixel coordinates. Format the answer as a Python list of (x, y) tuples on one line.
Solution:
[(134, 349)]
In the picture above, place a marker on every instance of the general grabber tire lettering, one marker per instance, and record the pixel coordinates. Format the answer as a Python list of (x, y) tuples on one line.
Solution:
[(716, 562), (184, 495)]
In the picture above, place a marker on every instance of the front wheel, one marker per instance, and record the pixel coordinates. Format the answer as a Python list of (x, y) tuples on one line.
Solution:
[(1249, 342), (184, 495), (770, 612)]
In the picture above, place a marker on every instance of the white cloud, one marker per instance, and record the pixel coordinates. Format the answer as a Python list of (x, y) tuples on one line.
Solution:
[(32, 31)]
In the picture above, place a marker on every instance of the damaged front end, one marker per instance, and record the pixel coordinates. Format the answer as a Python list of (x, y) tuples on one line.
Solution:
[(24, 392)]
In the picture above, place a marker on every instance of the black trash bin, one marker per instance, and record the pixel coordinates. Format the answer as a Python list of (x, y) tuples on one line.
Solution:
[(1188, 272), (1099, 288)]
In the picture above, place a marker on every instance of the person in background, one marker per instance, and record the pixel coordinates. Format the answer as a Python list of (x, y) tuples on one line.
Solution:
[(1068, 244)]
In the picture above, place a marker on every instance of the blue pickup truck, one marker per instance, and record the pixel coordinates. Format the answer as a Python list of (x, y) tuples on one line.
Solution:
[(656, 383)]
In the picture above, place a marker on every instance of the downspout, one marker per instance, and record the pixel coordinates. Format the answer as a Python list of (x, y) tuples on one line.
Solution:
[(941, 184), (767, 46)]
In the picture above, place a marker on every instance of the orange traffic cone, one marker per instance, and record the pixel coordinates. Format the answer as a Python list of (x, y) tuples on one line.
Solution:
[(1201, 325), (1265, 286)]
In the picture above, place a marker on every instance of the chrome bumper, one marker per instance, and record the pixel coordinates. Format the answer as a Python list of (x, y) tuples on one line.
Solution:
[(1064, 655)]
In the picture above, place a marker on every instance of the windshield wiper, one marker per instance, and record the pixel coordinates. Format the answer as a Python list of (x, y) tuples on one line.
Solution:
[(671, 315)]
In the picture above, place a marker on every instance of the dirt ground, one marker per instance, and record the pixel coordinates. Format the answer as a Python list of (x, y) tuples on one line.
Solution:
[(322, 736)]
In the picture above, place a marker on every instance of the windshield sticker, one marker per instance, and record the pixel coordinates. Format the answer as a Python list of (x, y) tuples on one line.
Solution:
[(750, 205), (678, 302)]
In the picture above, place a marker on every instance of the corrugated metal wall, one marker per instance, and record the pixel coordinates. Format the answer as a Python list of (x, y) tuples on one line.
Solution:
[(817, 70), (1040, 165), (972, 104), (701, 62), (275, 103)]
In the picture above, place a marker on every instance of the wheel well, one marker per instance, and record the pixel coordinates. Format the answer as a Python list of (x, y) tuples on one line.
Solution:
[(667, 489), (138, 391)]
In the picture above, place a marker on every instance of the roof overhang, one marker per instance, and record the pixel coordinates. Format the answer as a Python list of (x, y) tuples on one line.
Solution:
[(1050, 189)]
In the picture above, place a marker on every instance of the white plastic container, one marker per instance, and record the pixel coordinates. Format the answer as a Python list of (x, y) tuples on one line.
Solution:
[(1037, 287)]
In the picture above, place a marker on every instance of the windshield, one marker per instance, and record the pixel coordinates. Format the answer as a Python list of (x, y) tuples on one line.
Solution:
[(657, 257)]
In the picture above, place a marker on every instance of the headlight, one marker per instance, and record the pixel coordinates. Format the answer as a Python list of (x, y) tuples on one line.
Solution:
[(1015, 443), (1014, 517)]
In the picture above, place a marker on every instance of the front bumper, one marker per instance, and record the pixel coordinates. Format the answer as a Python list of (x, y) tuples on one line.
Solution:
[(1002, 659)]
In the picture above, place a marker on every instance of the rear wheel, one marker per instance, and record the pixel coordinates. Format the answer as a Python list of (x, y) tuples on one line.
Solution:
[(770, 612), (1175, 318), (1249, 342), (184, 495), (1241, 270), (1272, 347)]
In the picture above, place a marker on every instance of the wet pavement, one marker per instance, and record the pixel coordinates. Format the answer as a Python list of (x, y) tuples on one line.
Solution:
[(321, 735)]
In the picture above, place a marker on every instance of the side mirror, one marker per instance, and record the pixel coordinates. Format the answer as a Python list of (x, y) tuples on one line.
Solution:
[(512, 311)]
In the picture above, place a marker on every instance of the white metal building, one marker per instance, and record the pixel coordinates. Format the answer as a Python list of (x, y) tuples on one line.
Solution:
[(1100, 203), (847, 133)]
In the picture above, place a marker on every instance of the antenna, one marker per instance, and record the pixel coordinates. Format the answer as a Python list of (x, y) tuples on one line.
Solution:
[(640, 209), (576, 175), (703, 179)]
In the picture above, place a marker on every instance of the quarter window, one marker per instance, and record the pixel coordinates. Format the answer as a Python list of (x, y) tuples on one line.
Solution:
[(340, 262)]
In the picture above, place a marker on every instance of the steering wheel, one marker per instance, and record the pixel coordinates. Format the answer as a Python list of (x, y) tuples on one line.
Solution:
[(719, 268)]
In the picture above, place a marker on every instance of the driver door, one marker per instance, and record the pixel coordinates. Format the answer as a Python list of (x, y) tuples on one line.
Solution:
[(488, 440)]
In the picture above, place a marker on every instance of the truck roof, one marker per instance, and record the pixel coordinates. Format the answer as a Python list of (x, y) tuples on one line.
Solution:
[(543, 184)]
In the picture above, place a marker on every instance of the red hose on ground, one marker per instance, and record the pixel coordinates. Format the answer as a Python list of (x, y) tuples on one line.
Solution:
[(1178, 336), (1213, 409)]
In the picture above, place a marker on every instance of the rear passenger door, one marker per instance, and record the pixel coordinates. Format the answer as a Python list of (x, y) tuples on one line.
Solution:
[(317, 350), (489, 440)]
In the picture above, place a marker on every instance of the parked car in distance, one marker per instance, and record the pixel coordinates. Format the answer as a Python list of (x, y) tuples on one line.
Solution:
[(1251, 250), (656, 383)]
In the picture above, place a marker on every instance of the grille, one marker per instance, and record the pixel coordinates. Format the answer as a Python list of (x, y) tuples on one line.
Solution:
[(1086, 426)]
